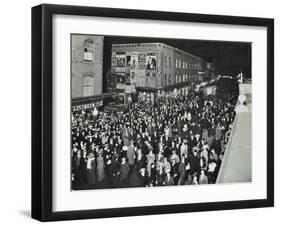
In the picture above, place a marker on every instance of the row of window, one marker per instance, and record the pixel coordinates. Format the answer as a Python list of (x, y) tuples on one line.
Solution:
[(187, 78), (186, 65), (181, 78), (181, 64)]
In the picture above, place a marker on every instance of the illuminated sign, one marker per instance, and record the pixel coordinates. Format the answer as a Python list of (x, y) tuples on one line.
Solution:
[(87, 106)]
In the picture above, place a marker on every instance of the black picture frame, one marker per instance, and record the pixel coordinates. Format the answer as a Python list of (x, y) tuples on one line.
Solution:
[(42, 111)]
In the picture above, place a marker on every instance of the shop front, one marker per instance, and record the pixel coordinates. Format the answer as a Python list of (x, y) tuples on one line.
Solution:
[(86, 109)]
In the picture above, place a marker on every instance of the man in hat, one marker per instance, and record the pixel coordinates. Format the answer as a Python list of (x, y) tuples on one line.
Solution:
[(124, 172)]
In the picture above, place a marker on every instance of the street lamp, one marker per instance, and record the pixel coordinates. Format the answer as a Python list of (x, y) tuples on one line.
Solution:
[(129, 101), (95, 113)]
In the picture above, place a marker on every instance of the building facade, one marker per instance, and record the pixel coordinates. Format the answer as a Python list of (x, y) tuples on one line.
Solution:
[(86, 71), (154, 66)]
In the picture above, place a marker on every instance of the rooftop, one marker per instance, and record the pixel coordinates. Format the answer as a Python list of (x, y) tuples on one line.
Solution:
[(150, 44)]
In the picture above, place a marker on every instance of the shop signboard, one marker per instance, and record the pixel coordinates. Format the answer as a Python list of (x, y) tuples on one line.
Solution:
[(120, 86), (81, 107)]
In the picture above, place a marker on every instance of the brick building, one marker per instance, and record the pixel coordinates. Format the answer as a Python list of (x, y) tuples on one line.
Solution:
[(86, 71), (155, 66)]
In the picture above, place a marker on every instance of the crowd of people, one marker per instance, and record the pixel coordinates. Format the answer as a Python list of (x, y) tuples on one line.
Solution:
[(176, 140)]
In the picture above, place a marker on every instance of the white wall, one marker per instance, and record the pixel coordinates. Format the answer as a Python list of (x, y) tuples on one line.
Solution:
[(15, 110)]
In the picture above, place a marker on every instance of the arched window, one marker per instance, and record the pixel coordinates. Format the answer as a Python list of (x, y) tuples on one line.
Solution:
[(88, 50), (88, 85)]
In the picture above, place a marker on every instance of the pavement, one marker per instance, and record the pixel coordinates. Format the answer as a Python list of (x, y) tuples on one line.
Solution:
[(237, 162)]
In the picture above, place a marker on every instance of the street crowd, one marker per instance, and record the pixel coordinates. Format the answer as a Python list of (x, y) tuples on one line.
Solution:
[(172, 140)]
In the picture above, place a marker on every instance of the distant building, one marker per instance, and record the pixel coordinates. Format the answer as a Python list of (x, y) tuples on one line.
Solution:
[(86, 71), (154, 66), (210, 70)]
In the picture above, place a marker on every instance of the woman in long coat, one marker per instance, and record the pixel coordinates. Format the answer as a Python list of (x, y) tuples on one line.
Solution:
[(91, 169), (182, 171), (100, 168)]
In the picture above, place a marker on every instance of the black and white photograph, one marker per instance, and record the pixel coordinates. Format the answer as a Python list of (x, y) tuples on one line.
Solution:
[(155, 112)]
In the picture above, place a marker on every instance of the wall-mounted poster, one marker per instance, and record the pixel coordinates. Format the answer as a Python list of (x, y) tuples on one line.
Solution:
[(127, 77), (133, 76), (150, 60), (134, 60), (120, 61), (128, 60), (120, 78), (113, 61), (140, 78), (141, 61), (150, 78)]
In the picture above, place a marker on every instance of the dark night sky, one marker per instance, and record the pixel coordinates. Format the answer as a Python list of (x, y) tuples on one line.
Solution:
[(229, 57)]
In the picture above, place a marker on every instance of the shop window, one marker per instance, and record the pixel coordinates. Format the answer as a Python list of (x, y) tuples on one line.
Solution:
[(88, 50), (88, 85)]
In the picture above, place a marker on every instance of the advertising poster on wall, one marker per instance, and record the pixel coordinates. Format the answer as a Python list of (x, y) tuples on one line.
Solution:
[(127, 77), (128, 60), (150, 78), (141, 61), (113, 61), (140, 78), (120, 81), (150, 60), (120, 61), (133, 77), (134, 60), (131, 60)]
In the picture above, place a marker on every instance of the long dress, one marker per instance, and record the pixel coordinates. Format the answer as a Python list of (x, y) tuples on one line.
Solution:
[(100, 169)]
